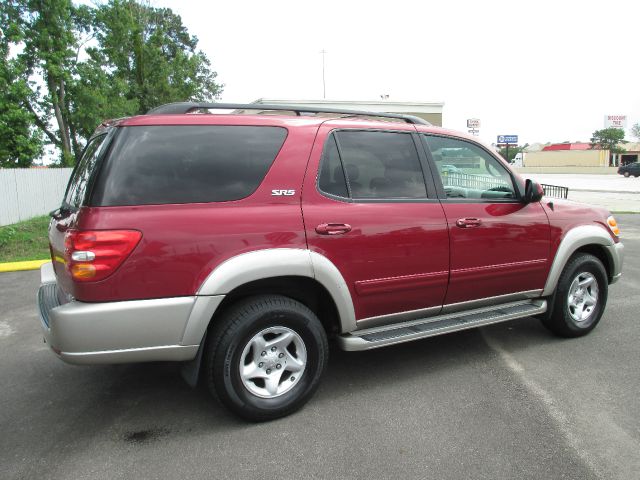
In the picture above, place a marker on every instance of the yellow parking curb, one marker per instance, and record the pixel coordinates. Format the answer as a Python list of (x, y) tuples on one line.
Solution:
[(18, 266)]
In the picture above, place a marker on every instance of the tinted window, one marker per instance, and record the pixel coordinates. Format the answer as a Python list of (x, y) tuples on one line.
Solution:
[(79, 181), (468, 171), (381, 165), (332, 178), (186, 164)]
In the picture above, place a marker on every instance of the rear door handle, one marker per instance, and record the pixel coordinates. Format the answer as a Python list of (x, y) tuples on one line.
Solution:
[(333, 228), (468, 222)]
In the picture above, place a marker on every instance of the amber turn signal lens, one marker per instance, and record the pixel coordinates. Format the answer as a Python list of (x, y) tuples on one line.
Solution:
[(613, 226), (83, 271)]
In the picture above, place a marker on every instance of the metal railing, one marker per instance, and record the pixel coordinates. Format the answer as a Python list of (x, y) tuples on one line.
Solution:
[(555, 191), (466, 180), (480, 182)]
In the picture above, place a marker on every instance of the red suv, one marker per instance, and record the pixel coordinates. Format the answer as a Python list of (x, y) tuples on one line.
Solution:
[(239, 244)]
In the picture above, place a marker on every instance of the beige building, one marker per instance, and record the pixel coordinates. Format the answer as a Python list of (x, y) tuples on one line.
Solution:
[(567, 158), (430, 111)]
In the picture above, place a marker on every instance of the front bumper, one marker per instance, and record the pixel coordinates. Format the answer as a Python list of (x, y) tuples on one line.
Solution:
[(616, 255), (114, 332)]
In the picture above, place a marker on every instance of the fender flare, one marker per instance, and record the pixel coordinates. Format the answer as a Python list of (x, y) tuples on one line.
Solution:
[(574, 239), (261, 264)]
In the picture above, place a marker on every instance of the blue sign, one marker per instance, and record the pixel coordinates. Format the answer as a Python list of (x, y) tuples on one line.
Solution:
[(508, 139)]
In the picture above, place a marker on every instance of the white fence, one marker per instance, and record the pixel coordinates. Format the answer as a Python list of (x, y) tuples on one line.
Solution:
[(29, 192)]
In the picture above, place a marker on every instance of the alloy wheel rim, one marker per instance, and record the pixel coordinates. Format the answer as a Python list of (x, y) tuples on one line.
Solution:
[(272, 362), (583, 297)]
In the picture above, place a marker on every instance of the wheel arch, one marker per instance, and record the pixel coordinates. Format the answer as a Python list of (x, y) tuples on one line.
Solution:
[(306, 276), (308, 291), (585, 238)]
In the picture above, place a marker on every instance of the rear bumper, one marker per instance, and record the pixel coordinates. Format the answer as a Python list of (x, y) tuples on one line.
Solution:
[(115, 332)]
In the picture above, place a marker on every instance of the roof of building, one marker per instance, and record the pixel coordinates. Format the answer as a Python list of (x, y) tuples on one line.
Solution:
[(631, 147), (567, 146), (371, 106)]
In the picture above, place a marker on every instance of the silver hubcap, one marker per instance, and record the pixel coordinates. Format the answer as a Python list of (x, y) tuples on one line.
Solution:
[(583, 297), (272, 362)]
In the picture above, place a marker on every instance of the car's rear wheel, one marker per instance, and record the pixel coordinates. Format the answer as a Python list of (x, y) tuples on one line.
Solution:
[(627, 174), (265, 357), (580, 299)]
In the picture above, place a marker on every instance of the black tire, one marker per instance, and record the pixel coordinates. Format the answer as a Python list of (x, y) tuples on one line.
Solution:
[(562, 320), (626, 174), (226, 354)]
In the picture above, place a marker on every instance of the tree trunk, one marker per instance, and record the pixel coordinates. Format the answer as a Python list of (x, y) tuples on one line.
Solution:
[(77, 148), (138, 55), (57, 99)]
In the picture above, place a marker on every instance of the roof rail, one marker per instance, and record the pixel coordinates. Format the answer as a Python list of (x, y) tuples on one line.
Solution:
[(186, 107)]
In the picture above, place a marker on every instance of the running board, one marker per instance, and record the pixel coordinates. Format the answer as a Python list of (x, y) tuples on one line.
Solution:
[(430, 327)]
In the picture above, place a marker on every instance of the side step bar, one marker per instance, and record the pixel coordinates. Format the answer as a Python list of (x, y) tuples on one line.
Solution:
[(430, 327)]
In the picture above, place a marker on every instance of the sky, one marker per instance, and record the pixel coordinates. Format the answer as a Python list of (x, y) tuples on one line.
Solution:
[(548, 71)]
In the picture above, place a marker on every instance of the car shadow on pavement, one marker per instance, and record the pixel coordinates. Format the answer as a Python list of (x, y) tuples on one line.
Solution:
[(153, 401), (144, 404)]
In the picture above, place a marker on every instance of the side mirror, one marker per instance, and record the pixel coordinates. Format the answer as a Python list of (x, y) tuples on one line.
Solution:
[(533, 191)]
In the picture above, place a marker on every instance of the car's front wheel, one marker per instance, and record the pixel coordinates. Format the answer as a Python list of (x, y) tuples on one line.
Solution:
[(627, 174), (581, 297), (265, 357)]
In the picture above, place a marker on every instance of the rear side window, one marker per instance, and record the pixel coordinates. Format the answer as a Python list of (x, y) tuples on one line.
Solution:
[(186, 164), (79, 181)]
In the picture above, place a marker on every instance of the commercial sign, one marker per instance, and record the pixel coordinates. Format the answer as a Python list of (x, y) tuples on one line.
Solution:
[(508, 139), (615, 121), (473, 123)]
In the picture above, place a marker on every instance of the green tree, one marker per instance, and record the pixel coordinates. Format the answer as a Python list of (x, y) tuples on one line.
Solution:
[(513, 151), (144, 57), (608, 139), (635, 131), (88, 64), (20, 141), (46, 38)]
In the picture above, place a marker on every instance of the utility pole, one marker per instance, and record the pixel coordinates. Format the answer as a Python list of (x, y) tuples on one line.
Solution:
[(324, 88)]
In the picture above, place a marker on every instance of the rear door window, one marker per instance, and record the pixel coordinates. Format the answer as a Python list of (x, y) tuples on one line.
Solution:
[(186, 164), (332, 179), (374, 165)]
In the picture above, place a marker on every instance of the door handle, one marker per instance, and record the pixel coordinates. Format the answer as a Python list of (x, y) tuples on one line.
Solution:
[(468, 222), (333, 228)]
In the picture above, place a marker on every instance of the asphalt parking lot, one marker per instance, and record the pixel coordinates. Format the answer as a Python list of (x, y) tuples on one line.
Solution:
[(506, 401)]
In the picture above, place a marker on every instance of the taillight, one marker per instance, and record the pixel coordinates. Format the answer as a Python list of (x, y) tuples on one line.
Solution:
[(92, 255)]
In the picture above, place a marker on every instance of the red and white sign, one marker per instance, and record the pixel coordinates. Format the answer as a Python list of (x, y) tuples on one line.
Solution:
[(473, 123), (615, 121)]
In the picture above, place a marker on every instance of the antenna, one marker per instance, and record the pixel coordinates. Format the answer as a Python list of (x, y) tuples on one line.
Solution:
[(324, 89)]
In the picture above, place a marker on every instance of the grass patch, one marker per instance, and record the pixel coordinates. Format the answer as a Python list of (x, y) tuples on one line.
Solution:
[(26, 240)]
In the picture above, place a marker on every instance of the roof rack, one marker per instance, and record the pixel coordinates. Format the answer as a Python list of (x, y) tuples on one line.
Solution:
[(186, 107)]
